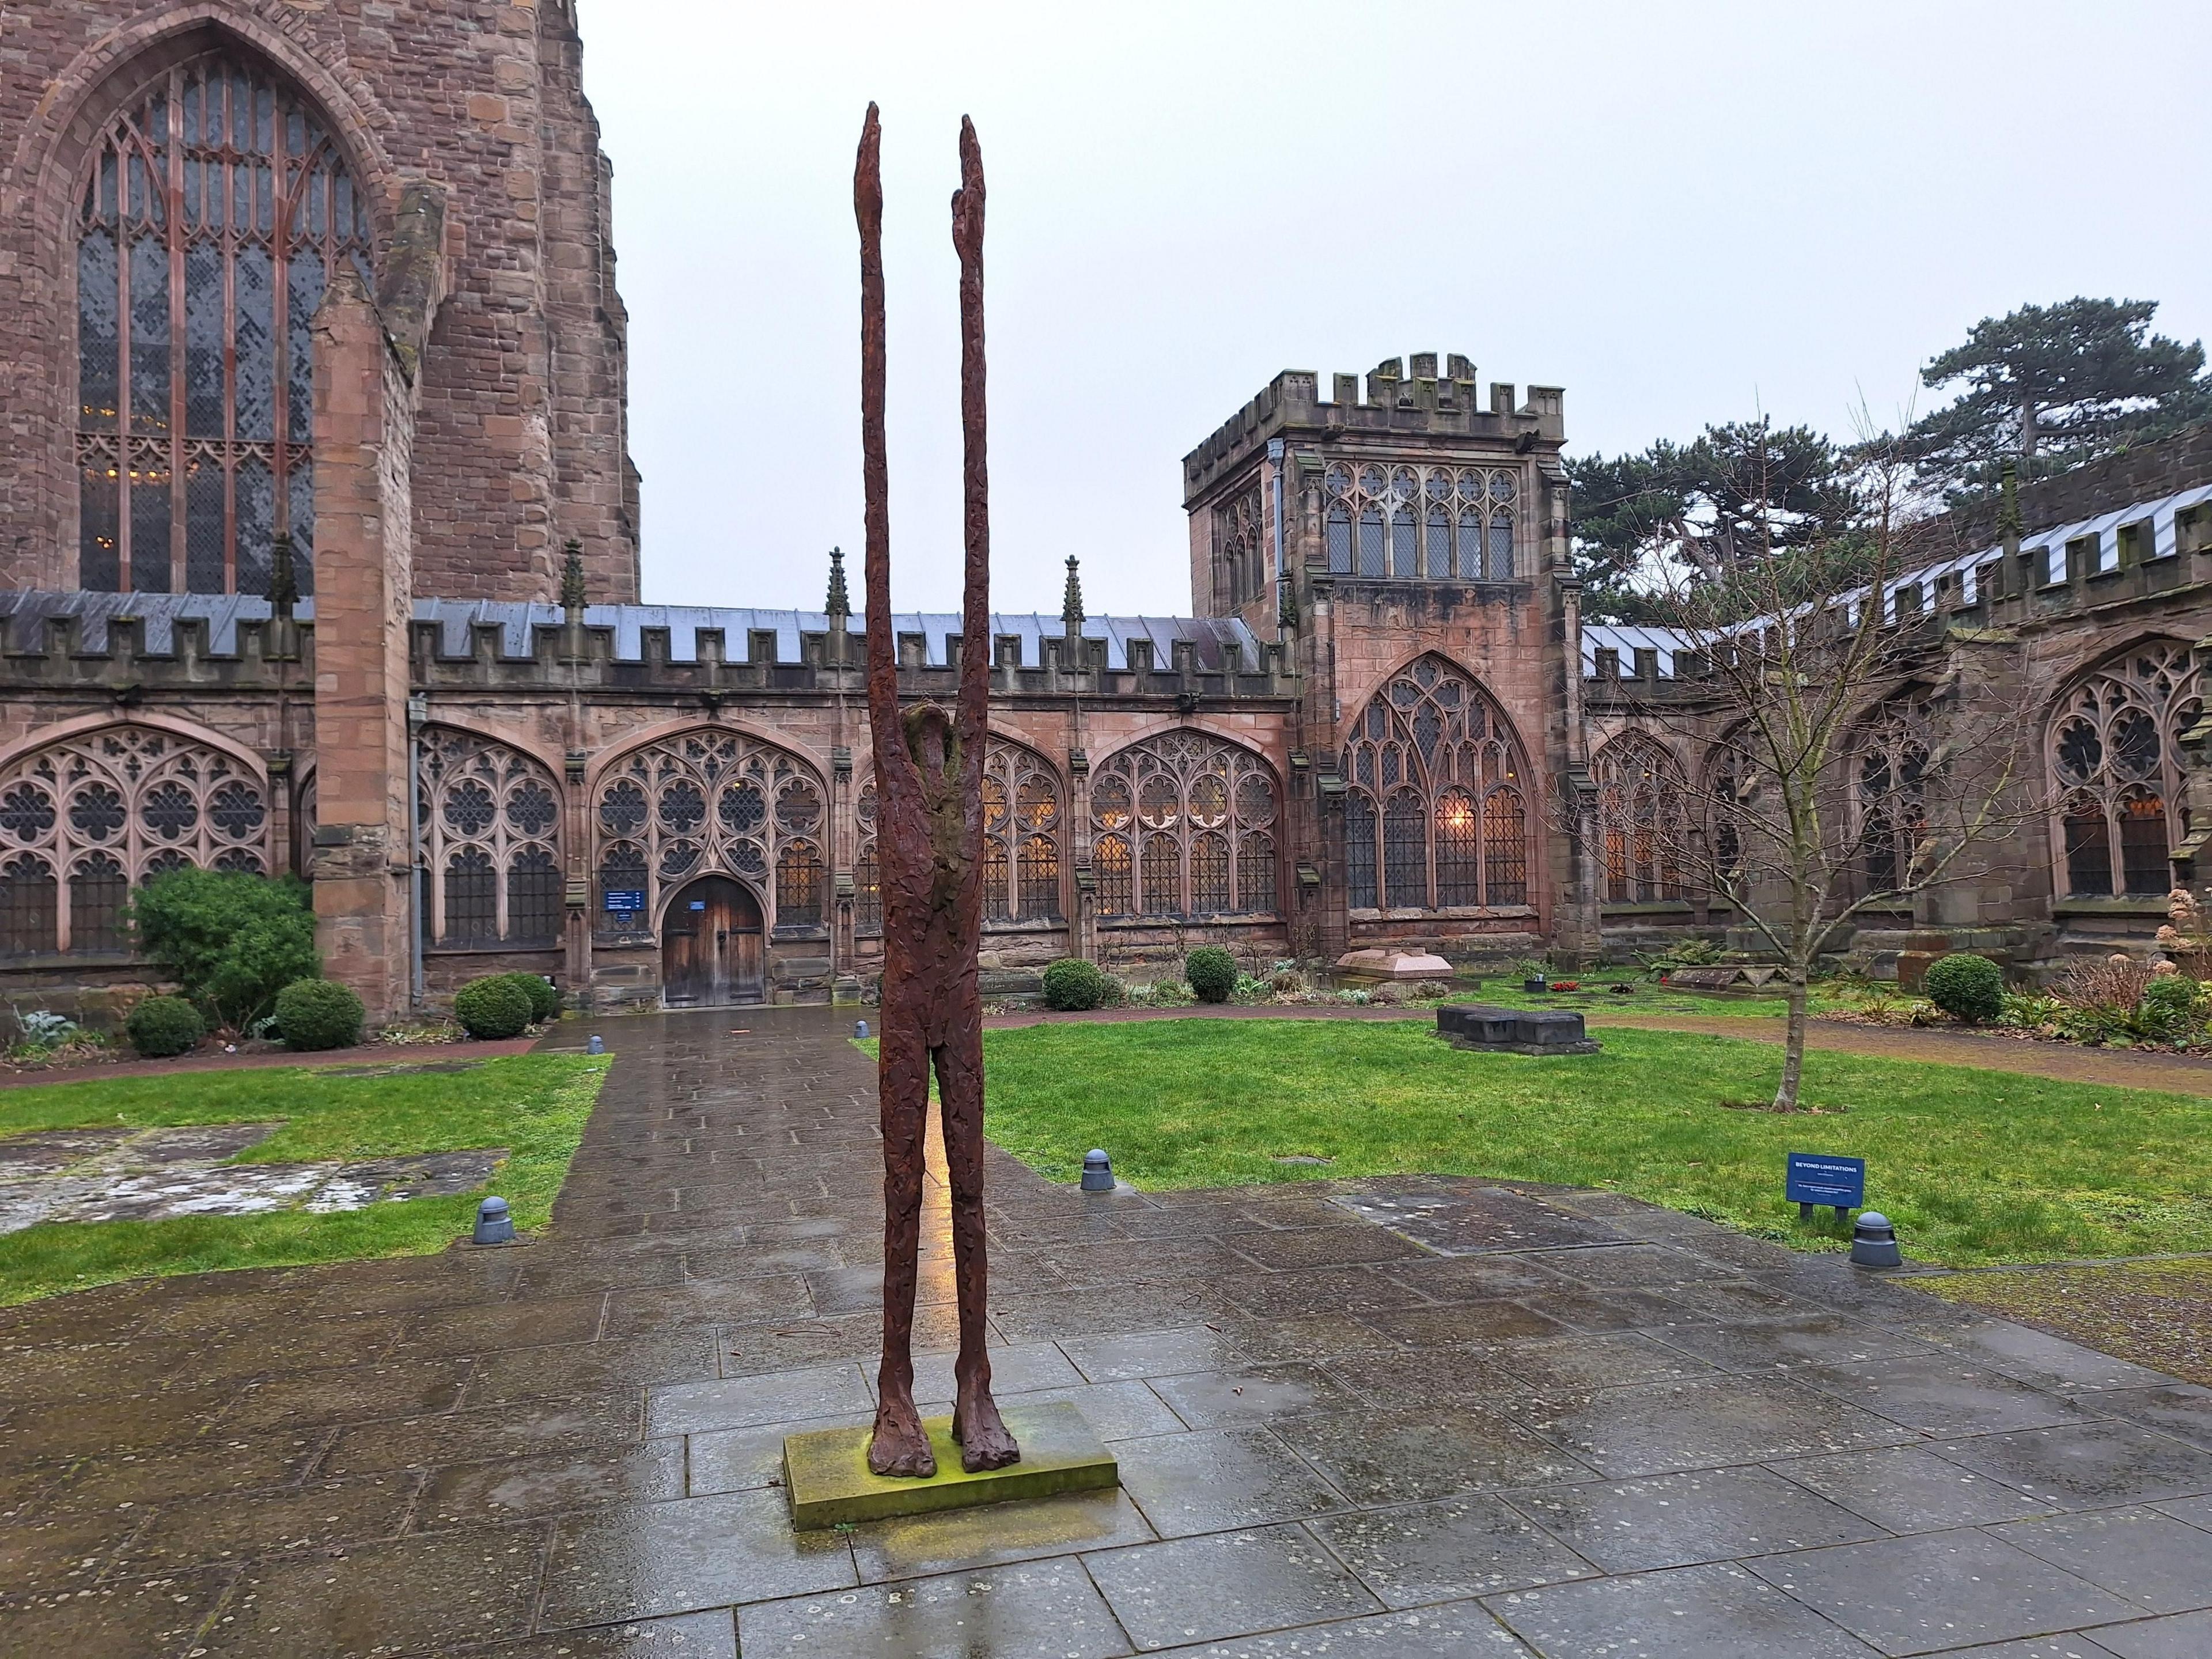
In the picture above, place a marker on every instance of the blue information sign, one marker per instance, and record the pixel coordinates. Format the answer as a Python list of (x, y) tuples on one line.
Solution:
[(625, 898), (1824, 1178)]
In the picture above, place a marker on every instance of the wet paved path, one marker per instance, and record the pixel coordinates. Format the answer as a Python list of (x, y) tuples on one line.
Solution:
[(1436, 1417)]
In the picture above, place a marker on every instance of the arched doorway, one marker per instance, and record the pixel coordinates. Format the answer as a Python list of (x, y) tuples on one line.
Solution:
[(710, 945)]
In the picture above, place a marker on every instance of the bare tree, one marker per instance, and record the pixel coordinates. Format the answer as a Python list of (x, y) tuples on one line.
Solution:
[(1849, 750)]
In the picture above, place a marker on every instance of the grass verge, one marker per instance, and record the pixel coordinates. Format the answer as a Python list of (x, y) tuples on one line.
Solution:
[(1975, 1166), (535, 1105)]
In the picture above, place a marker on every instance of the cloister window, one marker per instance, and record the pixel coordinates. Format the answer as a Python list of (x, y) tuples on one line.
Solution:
[(93, 814), (2116, 767), (1437, 523), (1021, 834), (490, 818), (1183, 825), (1889, 775), (214, 211), (867, 871), (1641, 820), (1436, 814), (710, 801)]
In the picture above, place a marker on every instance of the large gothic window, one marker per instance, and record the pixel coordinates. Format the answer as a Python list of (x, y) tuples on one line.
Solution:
[(1021, 836), (213, 212), (2116, 768), (1436, 811), (83, 820), (1889, 781), (867, 869), (1183, 824), (711, 802), (490, 818), (1641, 820), (1436, 523)]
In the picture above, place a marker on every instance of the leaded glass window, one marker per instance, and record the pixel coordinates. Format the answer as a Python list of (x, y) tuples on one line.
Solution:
[(28, 912), (146, 800), (1435, 815), (213, 212), (489, 800), (2115, 764), (1021, 834), (1240, 544), (1889, 772), (1642, 820), (1435, 524), (712, 800), (1200, 806), (867, 871)]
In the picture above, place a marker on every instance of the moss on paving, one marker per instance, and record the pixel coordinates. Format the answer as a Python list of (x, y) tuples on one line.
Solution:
[(1975, 1166), (535, 1105)]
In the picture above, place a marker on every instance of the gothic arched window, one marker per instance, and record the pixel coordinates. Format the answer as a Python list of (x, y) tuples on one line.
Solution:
[(1641, 820), (709, 801), (867, 870), (1463, 518), (490, 818), (2116, 768), (1021, 834), (116, 806), (1436, 813), (214, 209), (1240, 530), (1889, 782), (1183, 825)]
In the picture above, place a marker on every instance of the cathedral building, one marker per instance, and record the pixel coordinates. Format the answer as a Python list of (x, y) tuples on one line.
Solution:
[(319, 555)]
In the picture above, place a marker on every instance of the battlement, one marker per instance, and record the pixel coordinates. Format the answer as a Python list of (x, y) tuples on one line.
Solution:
[(1424, 404)]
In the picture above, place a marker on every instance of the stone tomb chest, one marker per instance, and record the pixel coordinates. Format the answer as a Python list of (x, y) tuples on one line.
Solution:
[(1513, 1030)]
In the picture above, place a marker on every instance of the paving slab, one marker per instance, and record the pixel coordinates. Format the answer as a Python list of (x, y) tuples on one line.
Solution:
[(1226, 1583), (1679, 1520), (1719, 1612), (2154, 1560), (1908, 1489), (1441, 1551), (2089, 1466), (1044, 1610)]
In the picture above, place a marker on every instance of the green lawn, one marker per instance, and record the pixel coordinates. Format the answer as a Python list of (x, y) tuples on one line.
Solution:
[(1974, 1166), (535, 1105)]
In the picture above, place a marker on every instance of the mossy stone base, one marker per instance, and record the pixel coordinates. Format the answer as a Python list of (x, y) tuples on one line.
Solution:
[(827, 1478)]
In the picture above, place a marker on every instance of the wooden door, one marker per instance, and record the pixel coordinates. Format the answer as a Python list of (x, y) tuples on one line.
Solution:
[(710, 945)]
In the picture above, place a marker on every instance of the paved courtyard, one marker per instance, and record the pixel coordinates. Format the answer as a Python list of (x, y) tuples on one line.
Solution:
[(1407, 1417)]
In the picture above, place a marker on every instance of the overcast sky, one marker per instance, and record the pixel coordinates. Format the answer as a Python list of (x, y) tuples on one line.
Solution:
[(1681, 214)]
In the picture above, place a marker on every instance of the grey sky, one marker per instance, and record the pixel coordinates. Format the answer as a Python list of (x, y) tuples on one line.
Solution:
[(1679, 213)]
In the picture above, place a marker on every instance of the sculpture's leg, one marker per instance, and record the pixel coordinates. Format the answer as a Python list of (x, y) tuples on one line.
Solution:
[(899, 1446), (984, 1442)]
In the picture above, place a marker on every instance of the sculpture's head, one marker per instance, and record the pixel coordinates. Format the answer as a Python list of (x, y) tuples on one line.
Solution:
[(934, 747)]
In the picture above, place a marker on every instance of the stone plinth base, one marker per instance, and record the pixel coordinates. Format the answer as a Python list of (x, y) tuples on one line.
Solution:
[(1384, 963), (827, 1478), (1513, 1030)]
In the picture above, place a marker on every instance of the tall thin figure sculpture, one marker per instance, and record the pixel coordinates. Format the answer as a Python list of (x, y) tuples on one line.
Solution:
[(929, 788)]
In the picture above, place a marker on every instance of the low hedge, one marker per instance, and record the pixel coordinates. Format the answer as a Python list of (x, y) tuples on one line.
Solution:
[(159, 1027), (1072, 984), (1966, 987), (492, 1008), (319, 1013), (1211, 972), (544, 1001)]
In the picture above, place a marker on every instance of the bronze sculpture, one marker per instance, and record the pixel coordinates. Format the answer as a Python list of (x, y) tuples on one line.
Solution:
[(929, 775)]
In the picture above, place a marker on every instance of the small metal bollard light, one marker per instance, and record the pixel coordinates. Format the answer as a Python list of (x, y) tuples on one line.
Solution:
[(494, 1225), (1873, 1242), (859, 1030), (1097, 1171), (598, 1045)]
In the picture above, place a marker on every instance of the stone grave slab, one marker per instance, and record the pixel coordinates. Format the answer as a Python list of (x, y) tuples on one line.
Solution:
[(1490, 1029)]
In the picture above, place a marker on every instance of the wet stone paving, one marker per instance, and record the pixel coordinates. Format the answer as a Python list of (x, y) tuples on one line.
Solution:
[(1392, 1417)]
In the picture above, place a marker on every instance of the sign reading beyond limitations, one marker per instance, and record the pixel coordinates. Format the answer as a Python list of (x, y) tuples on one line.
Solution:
[(1816, 1178), (626, 898)]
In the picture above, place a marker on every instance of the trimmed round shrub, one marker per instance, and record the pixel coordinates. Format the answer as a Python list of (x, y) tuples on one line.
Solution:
[(544, 1001), (162, 1026), (2172, 1008), (1072, 984), (1966, 987), (1211, 972), (319, 1013), (492, 1008)]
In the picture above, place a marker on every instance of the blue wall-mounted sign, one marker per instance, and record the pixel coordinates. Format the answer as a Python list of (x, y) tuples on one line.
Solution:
[(625, 898), (698, 904), (1824, 1178)]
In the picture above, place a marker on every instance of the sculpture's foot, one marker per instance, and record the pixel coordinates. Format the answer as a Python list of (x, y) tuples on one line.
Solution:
[(899, 1446), (984, 1442)]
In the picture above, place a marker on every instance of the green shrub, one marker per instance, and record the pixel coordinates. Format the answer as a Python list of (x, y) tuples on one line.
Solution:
[(2171, 1009), (1212, 973), (544, 1001), (1072, 984), (231, 940), (492, 1008), (1966, 987), (162, 1026), (319, 1013)]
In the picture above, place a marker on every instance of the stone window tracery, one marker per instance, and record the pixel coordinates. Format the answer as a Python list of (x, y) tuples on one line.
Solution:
[(214, 210), (1641, 819), (1434, 767), (489, 817), (1021, 834), (867, 871), (1241, 540), (2117, 771), (1441, 523), (1889, 777), (708, 802), (85, 818), (1183, 824)]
